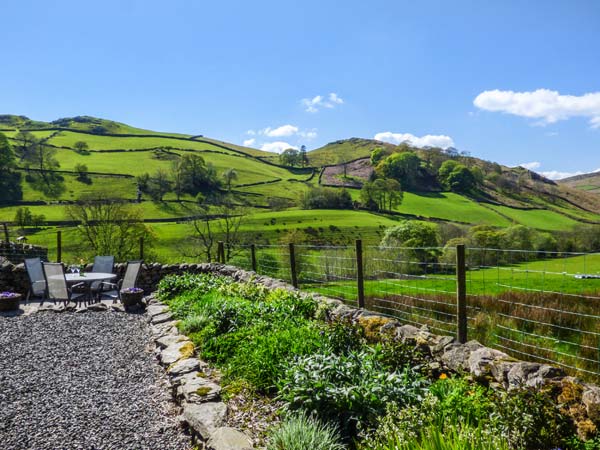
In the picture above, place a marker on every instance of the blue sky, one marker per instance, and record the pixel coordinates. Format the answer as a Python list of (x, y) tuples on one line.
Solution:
[(510, 81)]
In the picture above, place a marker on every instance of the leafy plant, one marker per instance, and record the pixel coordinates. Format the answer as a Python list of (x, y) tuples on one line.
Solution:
[(449, 438), (352, 389), (302, 432)]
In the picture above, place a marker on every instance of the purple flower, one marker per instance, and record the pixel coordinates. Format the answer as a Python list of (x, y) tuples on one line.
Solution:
[(9, 294), (133, 290)]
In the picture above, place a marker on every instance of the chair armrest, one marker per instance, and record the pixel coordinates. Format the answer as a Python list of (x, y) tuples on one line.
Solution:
[(109, 284)]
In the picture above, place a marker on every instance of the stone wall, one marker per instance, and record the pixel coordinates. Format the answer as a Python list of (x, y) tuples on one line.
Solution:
[(486, 365), (16, 253)]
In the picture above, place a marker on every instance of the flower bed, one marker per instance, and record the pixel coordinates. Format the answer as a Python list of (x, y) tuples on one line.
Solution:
[(341, 386)]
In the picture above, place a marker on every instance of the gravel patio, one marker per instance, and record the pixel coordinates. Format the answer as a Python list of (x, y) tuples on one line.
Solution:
[(83, 381)]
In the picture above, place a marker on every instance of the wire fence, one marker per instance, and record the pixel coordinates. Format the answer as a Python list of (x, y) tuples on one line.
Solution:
[(537, 306)]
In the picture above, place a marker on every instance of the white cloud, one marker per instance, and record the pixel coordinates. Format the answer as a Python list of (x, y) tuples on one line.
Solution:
[(313, 105), (531, 165), (309, 134), (249, 142), (558, 175), (277, 146), (544, 104), (428, 140), (282, 131), (250, 132)]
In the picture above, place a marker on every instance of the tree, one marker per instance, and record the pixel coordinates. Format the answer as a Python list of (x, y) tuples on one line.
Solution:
[(303, 156), (369, 196), (394, 193), (43, 158), (24, 144), (419, 241), (228, 176), (23, 217), (159, 185), (456, 177), (82, 171), (290, 157), (196, 175), (223, 221), (326, 198), (81, 147), (109, 226), (10, 180), (403, 167)]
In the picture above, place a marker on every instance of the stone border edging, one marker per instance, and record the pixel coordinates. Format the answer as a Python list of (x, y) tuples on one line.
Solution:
[(198, 395)]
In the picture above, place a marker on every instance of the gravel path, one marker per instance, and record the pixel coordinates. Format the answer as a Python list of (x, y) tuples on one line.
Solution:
[(83, 381)]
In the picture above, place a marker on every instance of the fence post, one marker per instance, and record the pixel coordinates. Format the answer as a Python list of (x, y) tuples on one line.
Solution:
[(6, 237), (253, 256), (461, 294), (59, 246), (360, 280), (141, 247), (293, 266), (221, 252)]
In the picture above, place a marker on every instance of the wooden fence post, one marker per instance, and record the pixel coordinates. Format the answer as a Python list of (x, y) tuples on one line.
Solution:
[(293, 265), (59, 246), (253, 256), (141, 247), (461, 294), (360, 280), (221, 252), (6, 236)]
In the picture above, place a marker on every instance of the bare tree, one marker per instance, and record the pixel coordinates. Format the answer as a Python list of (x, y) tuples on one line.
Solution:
[(108, 226)]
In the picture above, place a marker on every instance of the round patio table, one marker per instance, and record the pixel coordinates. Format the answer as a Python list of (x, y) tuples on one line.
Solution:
[(89, 277)]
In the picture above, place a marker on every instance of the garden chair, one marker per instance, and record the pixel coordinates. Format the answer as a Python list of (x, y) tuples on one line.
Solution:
[(57, 287), (37, 282), (129, 280), (103, 264)]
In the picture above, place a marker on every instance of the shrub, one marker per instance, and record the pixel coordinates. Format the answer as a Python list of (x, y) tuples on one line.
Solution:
[(461, 402), (173, 285), (450, 438), (352, 389), (301, 432)]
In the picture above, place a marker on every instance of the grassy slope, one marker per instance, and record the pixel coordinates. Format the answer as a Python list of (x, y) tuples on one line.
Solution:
[(351, 149)]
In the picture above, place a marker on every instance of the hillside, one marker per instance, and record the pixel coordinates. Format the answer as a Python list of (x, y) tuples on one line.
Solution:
[(118, 153), (589, 182)]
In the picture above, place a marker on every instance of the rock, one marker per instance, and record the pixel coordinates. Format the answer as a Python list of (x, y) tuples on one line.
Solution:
[(169, 339), (97, 307), (591, 400), (183, 366), (439, 343), (227, 438), (205, 418), (196, 389), (156, 309), (531, 374), (456, 356), (161, 318), (407, 332), (175, 352), (117, 307), (480, 361)]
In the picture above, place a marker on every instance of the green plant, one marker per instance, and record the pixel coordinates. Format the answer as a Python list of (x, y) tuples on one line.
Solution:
[(449, 438), (352, 389), (528, 418), (172, 285), (461, 402), (302, 432)]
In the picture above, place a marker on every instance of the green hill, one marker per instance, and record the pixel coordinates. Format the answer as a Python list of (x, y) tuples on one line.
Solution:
[(117, 153)]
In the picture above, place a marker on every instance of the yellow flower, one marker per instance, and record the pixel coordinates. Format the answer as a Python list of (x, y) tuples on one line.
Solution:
[(443, 376)]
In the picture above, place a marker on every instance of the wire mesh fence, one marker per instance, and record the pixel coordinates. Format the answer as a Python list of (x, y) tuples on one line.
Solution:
[(539, 306)]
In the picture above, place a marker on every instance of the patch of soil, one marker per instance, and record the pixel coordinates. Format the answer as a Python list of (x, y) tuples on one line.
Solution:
[(357, 173)]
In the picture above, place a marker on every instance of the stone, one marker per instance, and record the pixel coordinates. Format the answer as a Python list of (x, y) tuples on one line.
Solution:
[(117, 307), (156, 309), (480, 361), (175, 352), (161, 318), (97, 307), (456, 356), (169, 339), (183, 366), (591, 400), (227, 438), (205, 418), (532, 374), (193, 388)]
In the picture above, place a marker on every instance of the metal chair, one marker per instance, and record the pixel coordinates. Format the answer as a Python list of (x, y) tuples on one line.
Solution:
[(129, 280), (37, 282), (56, 285), (104, 264)]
